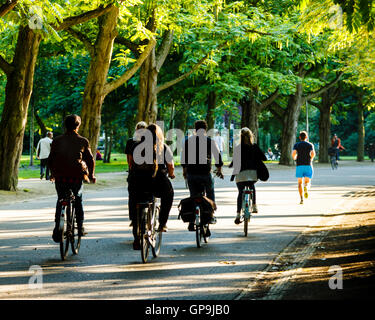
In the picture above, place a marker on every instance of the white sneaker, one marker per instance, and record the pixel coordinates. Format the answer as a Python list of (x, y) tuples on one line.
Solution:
[(254, 208)]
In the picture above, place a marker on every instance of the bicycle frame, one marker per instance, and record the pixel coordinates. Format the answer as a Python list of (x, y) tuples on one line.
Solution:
[(149, 236), (246, 207)]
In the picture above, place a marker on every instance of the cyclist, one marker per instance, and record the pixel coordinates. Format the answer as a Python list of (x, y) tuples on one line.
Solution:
[(71, 162), (196, 156), (304, 153), (336, 144), (150, 176), (246, 157), (128, 151)]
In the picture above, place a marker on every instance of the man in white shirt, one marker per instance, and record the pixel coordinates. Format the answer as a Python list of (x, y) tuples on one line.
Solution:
[(219, 141), (42, 152)]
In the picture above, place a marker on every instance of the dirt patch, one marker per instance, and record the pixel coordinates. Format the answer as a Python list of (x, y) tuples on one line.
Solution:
[(340, 261)]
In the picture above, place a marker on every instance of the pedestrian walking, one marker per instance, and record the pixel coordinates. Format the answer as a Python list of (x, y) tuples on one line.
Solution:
[(43, 150), (304, 153), (220, 142)]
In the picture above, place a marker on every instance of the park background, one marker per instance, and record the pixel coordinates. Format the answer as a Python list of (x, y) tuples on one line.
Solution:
[(275, 66)]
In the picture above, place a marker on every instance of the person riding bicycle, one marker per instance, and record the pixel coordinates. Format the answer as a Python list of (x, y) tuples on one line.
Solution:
[(71, 161), (151, 163), (336, 145), (129, 155), (196, 156), (246, 157)]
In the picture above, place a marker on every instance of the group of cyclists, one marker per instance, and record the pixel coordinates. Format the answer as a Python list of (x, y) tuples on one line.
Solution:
[(151, 167)]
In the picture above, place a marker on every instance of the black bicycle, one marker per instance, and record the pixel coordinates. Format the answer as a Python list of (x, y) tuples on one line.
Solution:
[(68, 227), (334, 162), (149, 235), (200, 225)]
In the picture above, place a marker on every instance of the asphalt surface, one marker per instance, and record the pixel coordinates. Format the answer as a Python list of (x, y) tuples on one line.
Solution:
[(223, 269)]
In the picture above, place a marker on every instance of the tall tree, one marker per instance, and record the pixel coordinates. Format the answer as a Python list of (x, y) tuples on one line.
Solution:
[(20, 76)]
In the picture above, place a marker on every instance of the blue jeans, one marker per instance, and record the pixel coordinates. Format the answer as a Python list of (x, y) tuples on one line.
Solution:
[(201, 183), (241, 187)]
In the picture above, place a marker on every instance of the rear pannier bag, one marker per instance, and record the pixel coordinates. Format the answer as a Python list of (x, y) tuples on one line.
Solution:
[(187, 208)]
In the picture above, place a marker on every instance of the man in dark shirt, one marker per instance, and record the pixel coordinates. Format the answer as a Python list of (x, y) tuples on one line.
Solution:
[(197, 153), (303, 153), (71, 161)]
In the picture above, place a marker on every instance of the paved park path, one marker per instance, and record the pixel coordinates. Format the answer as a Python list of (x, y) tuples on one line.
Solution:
[(227, 268)]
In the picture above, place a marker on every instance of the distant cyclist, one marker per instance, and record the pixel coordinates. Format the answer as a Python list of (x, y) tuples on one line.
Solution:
[(246, 157), (304, 153), (71, 162), (336, 145), (151, 177), (196, 159)]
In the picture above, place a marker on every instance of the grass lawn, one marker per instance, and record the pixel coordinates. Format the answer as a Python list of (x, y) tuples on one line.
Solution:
[(118, 163)]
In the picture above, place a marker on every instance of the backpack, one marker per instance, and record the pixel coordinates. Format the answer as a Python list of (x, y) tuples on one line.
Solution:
[(187, 208)]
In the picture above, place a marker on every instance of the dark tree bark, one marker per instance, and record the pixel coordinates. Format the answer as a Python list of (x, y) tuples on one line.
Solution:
[(251, 110), (20, 75), (18, 90), (211, 104), (148, 79), (361, 130), (325, 107), (93, 96)]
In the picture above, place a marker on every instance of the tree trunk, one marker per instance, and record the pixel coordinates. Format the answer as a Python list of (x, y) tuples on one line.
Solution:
[(290, 124), (361, 131), (17, 97), (97, 76), (211, 105), (147, 99), (324, 127), (32, 135), (249, 117)]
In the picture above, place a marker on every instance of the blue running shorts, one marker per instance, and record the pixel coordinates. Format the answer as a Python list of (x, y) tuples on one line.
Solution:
[(304, 171)]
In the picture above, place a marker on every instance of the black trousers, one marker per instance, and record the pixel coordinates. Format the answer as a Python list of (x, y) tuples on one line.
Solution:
[(44, 167), (140, 186), (63, 189), (241, 187)]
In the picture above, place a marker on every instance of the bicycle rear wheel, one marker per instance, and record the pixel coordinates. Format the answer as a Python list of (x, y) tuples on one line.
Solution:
[(157, 234), (245, 225), (64, 240), (75, 238), (144, 235)]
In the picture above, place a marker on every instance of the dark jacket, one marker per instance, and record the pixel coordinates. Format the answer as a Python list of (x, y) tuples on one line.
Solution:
[(199, 161), (71, 158), (246, 157)]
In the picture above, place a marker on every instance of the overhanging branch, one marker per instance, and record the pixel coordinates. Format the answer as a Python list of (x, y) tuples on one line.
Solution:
[(7, 6), (113, 85), (84, 17), (187, 74), (323, 89), (5, 66), (84, 39)]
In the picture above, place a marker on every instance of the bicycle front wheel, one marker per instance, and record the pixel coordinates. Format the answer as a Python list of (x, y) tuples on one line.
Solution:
[(64, 238), (144, 236), (157, 234), (75, 238)]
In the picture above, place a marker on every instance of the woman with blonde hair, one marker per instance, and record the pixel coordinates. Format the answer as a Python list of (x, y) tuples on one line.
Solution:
[(152, 177), (246, 158)]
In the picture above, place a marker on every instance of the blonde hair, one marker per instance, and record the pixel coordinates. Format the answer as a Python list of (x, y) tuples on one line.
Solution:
[(158, 144), (247, 136)]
